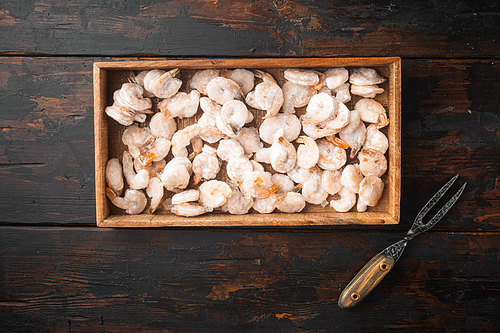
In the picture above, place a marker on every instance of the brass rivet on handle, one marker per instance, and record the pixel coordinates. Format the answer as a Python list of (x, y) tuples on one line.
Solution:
[(384, 266), (355, 297)]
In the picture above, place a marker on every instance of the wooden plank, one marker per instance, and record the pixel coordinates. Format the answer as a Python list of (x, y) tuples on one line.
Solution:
[(450, 125), (89, 279), (385, 212), (263, 28)]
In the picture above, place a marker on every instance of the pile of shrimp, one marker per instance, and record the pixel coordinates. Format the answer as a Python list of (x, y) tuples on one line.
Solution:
[(330, 156)]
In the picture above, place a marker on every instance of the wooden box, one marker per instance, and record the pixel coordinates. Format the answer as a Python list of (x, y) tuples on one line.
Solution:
[(109, 76)]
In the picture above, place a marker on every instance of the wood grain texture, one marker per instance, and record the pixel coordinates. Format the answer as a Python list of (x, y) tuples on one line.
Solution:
[(115, 280), (263, 28), (450, 124)]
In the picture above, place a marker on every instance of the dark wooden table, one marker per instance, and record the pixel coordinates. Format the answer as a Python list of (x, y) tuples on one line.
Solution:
[(59, 272)]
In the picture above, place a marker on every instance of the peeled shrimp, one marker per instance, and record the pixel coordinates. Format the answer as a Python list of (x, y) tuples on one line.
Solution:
[(331, 181), (354, 120), (351, 177), (366, 91), (138, 180), (376, 139), (152, 168), (346, 202), (285, 182), (234, 115), (154, 190), (201, 78), (365, 76), (239, 168), (176, 174), (206, 165), (313, 190), (185, 196), (133, 202), (243, 77), (237, 203), (342, 93), (296, 96), (162, 126), (302, 76), (331, 156), (355, 139), (282, 155), (114, 175), (288, 122), (249, 140), (301, 175), (336, 77), (307, 152), (207, 120), (257, 166), (372, 111), (182, 138), (258, 184), (263, 155), (372, 162), (210, 107), (370, 192), (290, 202), (214, 194), (121, 114), (131, 95), (316, 132), (181, 105), (155, 151), (222, 90), (320, 108), (188, 209), (134, 137), (229, 149), (268, 95), (338, 120), (162, 84), (265, 205), (139, 79)]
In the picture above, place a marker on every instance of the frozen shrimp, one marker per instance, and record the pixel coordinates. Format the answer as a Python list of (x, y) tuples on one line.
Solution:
[(182, 138), (131, 95), (370, 192), (201, 78), (268, 95), (134, 137), (282, 155), (372, 162), (206, 165), (230, 148), (354, 120), (372, 111), (301, 175), (157, 151), (335, 77), (181, 105), (188, 209), (313, 190), (222, 90), (346, 202), (211, 134), (376, 139), (290, 202), (238, 168), (320, 108), (257, 166), (342, 93), (331, 156), (316, 132), (237, 203), (185, 196), (351, 177), (249, 140), (265, 205), (139, 79), (285, 182), (138, 180), (355, 139), (331, 181), (162, 126), (365, 76), (307, 152), (162, 84), (288, 122), (213, 194), (302, 76), (234, 115), (338, 120), (258, 184), (243, 77), (114, 175), (121, 114), (176, 174), (296, 96), (133, 202), (152, 168), (263, 155), (366, 91), (210, 106), (207, 120), (154, 190)]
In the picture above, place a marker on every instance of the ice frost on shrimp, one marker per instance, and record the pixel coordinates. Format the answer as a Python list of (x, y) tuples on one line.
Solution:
[(302, 76), (370, 192), (206, 165), (162, 84), (288, 122), (181, 105), (133, 202), (282, 155), (214, 194), (268, 95), (296, 96), (223, 90), (307, 152), (201, 78)]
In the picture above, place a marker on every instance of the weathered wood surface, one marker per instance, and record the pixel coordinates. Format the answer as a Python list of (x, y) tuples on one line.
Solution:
[(228, 28), (93, 280), (450, 124)]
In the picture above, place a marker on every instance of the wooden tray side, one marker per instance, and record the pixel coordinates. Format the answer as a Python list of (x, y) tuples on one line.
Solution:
[(100, 142), (387, 213)]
